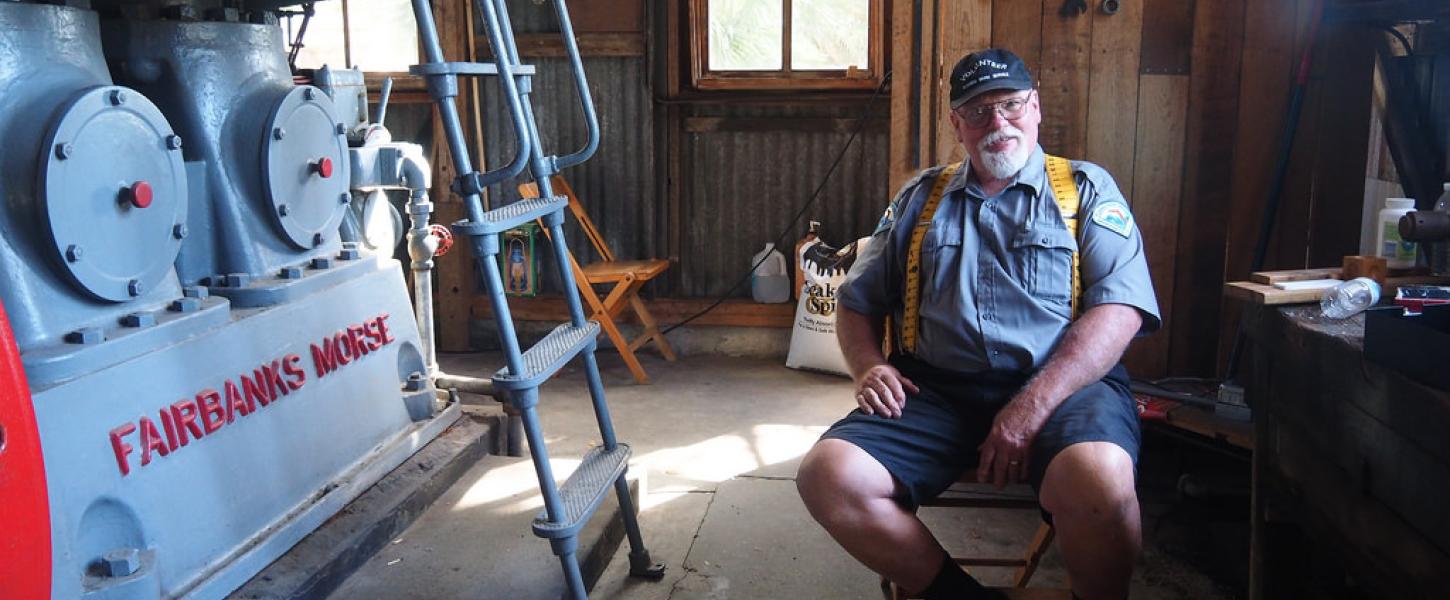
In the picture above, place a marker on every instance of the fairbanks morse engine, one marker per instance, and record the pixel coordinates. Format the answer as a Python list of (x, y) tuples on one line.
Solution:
[(213, 367)]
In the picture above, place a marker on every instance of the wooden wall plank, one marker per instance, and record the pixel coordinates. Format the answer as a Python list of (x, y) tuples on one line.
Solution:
[(928, 97), (1112, 117), (1066, 53), (905, 59), (1212, 122), (592, 16), (1017, 26), (1168, 44), (1163, 108), (1343, 149), (1268, 67), (1265, 76), (1289, 240), (963, 26)]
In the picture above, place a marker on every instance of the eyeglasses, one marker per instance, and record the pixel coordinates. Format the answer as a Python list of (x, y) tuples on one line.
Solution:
[(981, 114)]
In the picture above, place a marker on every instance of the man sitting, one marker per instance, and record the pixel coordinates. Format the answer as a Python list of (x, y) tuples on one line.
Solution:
[(994, 370)]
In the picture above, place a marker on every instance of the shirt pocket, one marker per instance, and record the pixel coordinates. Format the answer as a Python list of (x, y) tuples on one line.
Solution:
[(941, 251), (1043, 257)]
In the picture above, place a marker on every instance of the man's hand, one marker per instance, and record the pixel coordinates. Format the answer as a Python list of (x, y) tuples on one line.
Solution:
[(1006, 453), (881, 390)]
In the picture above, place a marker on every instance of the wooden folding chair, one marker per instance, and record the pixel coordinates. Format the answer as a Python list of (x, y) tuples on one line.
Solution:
[(1025, 566), (626, 277)]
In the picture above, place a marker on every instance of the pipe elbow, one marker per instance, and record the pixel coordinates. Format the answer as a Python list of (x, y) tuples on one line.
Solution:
[(416, 173)]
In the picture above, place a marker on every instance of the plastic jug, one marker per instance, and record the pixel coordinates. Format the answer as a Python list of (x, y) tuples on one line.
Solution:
[(770, 279)]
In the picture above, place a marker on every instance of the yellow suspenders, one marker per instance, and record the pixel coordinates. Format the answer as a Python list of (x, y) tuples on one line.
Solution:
[(1064, 190)]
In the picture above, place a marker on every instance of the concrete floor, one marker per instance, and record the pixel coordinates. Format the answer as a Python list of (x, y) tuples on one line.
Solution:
[(716, 445)]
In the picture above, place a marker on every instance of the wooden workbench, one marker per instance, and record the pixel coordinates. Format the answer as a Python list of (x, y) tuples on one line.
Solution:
[(1350, 454)]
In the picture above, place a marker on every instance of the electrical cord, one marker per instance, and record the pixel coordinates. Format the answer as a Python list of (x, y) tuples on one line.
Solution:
[(860, 125)]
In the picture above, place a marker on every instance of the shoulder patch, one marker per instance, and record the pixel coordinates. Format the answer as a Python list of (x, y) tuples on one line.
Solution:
[(903, 196), (887, 219), (1114, 217)]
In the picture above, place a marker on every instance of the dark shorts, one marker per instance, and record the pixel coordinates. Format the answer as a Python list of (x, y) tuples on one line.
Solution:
[(935, 440)]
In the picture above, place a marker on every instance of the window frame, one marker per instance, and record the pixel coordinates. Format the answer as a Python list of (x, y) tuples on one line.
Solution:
[(785, 78), (402, 79)]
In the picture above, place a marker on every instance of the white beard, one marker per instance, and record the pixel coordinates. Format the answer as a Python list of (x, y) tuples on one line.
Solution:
[(1003, 165)]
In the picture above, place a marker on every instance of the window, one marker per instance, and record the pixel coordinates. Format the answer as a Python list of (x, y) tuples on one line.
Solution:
[(378, 36), (786, 44)]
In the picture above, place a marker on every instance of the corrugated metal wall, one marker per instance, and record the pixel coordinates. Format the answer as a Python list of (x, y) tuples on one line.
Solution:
[(617, 186), (744, 187), (740, 187)]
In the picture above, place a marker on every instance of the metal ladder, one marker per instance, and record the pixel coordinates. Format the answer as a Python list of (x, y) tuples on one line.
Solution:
[(568, 507)]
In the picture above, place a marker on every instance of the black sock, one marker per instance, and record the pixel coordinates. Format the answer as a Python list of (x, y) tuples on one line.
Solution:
[(952, 583)]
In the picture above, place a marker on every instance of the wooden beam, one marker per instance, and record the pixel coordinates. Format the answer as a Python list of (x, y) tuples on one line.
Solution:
[(905, 47), (668, 311), (590, 44), (454, 273), (757, 124)]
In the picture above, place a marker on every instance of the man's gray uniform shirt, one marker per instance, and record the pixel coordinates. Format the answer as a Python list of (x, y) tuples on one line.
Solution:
[(997, 272)]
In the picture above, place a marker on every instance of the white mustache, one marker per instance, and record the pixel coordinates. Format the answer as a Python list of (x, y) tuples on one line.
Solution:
[(1007, 132)]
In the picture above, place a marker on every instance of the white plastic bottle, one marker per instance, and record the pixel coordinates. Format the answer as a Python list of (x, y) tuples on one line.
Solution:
[(1349, 298), (770, 280), (1399, 253)]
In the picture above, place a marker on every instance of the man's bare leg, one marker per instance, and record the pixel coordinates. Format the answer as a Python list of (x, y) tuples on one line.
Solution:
[(1088, 489), (850, 494)]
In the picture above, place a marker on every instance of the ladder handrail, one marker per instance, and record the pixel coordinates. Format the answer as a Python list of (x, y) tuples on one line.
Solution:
[(506, 59), (552, 163), (571, 46)]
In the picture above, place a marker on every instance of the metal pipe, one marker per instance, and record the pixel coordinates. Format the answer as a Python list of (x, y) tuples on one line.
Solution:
[(505, 62), (464, 383), (422, 246), (571, 46)]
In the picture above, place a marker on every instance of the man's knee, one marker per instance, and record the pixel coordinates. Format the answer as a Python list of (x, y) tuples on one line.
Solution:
[(837, 474), (1090, 481)]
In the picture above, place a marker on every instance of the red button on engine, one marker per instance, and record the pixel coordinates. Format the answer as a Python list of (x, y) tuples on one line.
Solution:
[(140, 193), (323, 167)]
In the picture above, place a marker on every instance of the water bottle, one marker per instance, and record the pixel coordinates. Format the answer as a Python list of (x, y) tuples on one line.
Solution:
[(1349, 298)]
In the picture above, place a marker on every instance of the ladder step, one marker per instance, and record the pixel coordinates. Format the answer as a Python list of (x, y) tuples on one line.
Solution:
[(549, 355), (504, 218), (465, 68), (583, 491)]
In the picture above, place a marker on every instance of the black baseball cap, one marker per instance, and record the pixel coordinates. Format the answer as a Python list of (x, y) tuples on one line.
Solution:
[(985, 71)]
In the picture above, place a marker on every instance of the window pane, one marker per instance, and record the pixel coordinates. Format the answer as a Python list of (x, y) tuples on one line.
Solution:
[(745, 35), (384, 36), (322, 44), (829, 34)]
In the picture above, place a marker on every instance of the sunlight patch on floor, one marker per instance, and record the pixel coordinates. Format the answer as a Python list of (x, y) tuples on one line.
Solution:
[(504, 482)]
